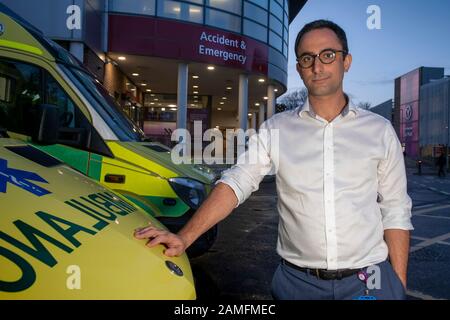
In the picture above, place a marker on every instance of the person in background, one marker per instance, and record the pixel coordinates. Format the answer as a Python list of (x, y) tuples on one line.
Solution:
[(441, 163)]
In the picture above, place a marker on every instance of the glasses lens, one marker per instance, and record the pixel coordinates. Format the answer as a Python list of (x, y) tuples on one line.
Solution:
[(306, 61), (327, 56)]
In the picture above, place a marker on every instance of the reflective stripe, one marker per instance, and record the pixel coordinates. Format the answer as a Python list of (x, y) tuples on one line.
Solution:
[(20, 46)]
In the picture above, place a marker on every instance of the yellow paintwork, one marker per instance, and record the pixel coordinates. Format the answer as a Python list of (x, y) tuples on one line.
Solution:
[(16, 37), (139, 160), (134, 164), (140, 172), (130, 158), (19, 46), (113, 264)]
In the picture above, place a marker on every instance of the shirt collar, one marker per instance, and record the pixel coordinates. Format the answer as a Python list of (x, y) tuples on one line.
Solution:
[(350, 108)]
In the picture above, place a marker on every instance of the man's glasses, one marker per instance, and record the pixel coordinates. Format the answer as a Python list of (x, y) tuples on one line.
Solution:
[(326, 56)]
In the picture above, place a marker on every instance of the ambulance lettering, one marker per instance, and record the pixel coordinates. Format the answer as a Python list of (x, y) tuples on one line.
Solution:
[(102, 207)]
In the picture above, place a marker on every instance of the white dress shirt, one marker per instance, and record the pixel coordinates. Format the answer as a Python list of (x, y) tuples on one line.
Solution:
[(340, 184)]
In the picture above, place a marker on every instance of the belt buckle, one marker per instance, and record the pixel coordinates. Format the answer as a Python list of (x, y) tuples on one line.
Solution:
[(327, 274), (317, 274), (332, 274)]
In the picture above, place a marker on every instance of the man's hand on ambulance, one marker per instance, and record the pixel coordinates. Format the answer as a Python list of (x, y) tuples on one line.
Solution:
[(175, 245)]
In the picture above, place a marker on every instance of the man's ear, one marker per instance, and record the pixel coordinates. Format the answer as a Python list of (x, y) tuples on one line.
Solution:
[(299, 70), (347, 62)]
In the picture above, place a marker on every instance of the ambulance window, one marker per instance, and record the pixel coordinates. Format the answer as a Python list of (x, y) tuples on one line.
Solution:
[(99, 98), (22, 88), (69, 116), (20, 95), (5, 89), (5, 95)]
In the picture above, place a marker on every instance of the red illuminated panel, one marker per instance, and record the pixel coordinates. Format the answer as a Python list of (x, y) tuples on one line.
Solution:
[(185, 41), (410, 87), (409, 111)]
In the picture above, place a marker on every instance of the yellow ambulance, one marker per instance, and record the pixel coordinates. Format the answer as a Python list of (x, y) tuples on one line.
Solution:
[(64, 236), (92, 134)]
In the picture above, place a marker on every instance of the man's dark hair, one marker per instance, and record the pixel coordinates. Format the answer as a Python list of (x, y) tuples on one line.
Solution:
[(322, 24)]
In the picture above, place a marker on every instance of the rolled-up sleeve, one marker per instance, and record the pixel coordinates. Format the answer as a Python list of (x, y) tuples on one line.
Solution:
[(394, 202), (251, 167)]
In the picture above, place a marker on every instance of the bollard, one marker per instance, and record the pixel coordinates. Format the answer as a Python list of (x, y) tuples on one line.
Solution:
[(419, 167)]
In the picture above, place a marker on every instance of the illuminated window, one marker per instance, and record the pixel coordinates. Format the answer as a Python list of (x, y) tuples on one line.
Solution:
[(255, 30), (255, 13), (180, 11), (262, 3), (275, 25), (145, 7), (223, 20), (234, 6), (275, 41), (276, 9)]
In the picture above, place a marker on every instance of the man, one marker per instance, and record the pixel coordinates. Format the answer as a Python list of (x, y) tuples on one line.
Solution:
[(341, 187)]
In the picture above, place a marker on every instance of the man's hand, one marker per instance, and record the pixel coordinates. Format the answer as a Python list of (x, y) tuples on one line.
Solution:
[(175, 244), (219, 204)]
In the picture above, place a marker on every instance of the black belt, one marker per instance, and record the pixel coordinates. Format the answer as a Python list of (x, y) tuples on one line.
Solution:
[(324, 274)]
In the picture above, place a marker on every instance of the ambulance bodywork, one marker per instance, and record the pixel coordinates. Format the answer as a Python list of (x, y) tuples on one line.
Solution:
[(64, 236), (93, 134)]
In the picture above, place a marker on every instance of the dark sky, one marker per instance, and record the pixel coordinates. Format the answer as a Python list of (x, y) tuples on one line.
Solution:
[(413, 33)]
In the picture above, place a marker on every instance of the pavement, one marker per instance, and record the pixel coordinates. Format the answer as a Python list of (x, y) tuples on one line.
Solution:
[(429, 261), (241, 263)]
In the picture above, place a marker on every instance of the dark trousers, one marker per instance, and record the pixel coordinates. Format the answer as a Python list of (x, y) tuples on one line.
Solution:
[(291, 284)]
